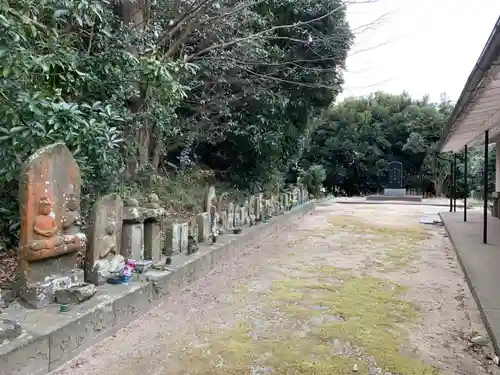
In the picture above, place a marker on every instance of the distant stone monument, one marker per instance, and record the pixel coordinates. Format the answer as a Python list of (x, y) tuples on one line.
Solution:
[(395, 190), (51, 234), (395, 181)]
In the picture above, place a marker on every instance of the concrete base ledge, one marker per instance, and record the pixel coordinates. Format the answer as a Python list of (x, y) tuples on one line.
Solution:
[(401, 198), (51, 338), (423, 203)]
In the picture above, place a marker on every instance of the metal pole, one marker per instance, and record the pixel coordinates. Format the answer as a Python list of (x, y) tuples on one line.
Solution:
[(450, 186), (455, 183), (466, 188), (485, 189)]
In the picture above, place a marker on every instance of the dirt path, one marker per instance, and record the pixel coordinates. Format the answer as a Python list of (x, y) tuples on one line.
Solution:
[(360, 289)]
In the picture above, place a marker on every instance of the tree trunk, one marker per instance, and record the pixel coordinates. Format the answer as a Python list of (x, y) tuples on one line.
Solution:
[(134, 13)]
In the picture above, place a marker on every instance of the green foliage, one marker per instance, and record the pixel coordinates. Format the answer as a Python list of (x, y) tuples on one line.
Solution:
[(66, 73), (360, 136), (138, 88), (286, 68), (313, 178)]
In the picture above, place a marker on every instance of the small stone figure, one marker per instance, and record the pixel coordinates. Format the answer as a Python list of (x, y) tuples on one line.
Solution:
[(104, 258), (251, 219), (193, 246), (214, 217), (237, 224), (110, 263), (153, 201), (46, 242), (72, 220)]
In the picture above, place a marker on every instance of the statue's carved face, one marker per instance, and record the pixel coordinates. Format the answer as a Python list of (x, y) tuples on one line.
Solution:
[(153, 198), (45, 205), (72, 203), (110, 229)]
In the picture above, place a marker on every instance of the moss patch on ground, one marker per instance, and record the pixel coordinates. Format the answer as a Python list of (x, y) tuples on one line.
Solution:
[(397, 243), (369, 312), (316, 312)]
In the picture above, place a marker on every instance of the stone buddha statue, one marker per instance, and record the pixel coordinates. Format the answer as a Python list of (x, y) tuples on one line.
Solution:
[(107, 246), (46, 241), (72, 223), (109, 263), (45, 228)]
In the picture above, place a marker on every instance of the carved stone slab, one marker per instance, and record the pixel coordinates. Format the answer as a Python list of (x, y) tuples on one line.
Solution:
[(49, 203), (107, 217)]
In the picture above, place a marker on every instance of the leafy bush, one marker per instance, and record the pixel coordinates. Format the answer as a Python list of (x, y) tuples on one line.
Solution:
[(67, 74), (313, 178)]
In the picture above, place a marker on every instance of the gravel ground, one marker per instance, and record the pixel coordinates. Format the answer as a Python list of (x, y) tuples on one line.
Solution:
[(322, 297)]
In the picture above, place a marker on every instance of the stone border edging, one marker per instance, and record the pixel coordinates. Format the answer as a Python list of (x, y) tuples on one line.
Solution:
[(51, 339), (406, 203)]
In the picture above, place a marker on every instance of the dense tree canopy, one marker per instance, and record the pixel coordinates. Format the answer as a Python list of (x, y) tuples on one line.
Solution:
[(135, 88), (360, 136)]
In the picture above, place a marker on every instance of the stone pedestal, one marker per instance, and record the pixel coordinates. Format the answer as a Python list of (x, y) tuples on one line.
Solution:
[(257, 206), (43, 293), (132, 243), (152, 240), (495, 208), (184, 237), (153, 215), (209, 200), (203, 221), (284, 201), (394, 192), (172, 244), (230, 217), (244, 213)]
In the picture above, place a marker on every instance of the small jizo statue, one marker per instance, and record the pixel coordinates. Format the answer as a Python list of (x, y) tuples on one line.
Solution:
[(193, 245), (72, 221), (110, 263), (108, 242), (214, 217), (238, 227), (153, 201)]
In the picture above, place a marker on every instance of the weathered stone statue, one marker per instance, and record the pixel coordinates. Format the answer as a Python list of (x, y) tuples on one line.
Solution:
[(51, 236), (238, 227), (132, 242), (192, 246), (222, 206), (214, 230), (154, 220), (251, 211), (210, 199), (103, 256), (153, 202), (258, 207)]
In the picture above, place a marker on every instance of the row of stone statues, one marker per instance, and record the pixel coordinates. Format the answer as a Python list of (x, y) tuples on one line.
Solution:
[(122, 233)]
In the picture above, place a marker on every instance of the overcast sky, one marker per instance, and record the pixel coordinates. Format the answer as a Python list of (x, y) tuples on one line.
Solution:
[(422, 46)]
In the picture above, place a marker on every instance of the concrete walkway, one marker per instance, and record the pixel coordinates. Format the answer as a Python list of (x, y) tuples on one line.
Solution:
[(480, 263)]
